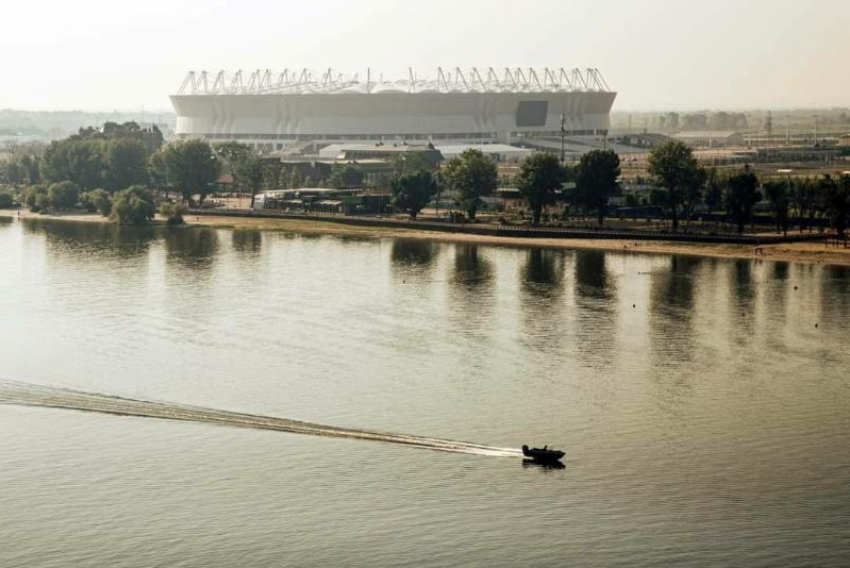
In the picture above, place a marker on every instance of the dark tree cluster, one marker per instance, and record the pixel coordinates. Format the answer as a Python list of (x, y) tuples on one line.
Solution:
[(683, 184)]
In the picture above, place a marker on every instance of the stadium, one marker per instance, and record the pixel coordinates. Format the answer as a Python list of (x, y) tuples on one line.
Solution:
[(272, 110)]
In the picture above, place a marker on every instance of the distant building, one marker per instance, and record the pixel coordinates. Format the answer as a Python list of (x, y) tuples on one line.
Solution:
[(497, 152), (151, 137), (385, 152), (642, 140), (710, 139)]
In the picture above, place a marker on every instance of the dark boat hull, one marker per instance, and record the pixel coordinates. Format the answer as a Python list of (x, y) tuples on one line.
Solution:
[(543, 455)]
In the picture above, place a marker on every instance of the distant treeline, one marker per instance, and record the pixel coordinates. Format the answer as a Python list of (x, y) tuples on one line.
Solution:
[(776, 121), (49, 125)]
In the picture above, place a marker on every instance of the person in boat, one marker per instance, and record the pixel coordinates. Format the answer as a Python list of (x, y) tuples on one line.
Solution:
[(525, 449)]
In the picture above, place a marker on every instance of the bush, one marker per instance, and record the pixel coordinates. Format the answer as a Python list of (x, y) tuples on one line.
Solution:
[(42, 203), (133, 206), (6, 200), (97, 200), (30, 197), (63, 195), (172, 212)]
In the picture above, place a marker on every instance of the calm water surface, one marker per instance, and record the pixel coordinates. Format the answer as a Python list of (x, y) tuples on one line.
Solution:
[(704, 404)]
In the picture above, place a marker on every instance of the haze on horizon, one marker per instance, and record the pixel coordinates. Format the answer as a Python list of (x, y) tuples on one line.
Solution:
[(99, 55)]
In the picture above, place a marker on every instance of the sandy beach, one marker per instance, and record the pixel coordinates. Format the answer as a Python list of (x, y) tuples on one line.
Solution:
[(804, 252)]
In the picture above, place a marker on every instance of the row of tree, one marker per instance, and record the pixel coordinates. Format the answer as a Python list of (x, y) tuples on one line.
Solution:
[(133, 205), (682, 185), (192, 168), (473, 176)]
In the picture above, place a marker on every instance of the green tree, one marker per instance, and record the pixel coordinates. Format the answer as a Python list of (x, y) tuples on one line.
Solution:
[(6, 200), (271, 175), (63, 195), (694, 192), (539, 176), (295, 179), (97, 200), (250, 171), (412, 191), (347, 177), (30, 164), (414, 161), (172, 213), (779, 197), (192, 168), (31, 196), (284, 177), (838, 203), (78, 160), (804, 197), (158, 172), (473, 175), (741, 196), (713, 195), (127, 163), (133, 206), (12, 172), (229, 154), (675, 170), (42, 202), (596, 180)]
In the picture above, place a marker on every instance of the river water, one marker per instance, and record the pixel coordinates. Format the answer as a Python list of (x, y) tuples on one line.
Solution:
[(359, 402)]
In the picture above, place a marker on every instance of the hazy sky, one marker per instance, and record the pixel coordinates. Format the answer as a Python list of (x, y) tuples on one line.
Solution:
[(658, 54)]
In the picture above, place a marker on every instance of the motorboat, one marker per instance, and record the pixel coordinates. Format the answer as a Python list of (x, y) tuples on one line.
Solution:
[(543, 454)]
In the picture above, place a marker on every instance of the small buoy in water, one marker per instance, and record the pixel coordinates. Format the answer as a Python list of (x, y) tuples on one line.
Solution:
[(816, 325), (634, 305), (795, 287)]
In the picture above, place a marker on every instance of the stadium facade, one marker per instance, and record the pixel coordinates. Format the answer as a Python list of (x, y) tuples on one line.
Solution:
[(271, 110)]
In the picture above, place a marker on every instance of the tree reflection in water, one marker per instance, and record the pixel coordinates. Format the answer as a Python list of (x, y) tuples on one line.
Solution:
[(107, 240), (672, 311), (192, 247), (596, 293), (247, 241), (416, 253), (471, 290), (542, 286)]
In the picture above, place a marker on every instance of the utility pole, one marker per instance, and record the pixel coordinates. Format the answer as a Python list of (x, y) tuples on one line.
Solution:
[(563, 139), (769, 128), (817, 116)]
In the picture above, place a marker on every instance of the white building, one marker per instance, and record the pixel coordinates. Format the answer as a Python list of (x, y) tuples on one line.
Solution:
[(272, 110)]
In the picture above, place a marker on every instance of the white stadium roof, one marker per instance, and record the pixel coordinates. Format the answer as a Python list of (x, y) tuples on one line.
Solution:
[(456, 80)]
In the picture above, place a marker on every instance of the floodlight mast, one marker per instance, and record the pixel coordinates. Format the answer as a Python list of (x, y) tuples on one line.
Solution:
[(450, 80)]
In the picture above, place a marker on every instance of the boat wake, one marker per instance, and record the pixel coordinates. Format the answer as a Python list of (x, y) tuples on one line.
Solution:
[(26, 394)]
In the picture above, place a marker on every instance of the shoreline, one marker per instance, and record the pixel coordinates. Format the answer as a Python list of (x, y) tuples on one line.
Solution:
[(800, 252)]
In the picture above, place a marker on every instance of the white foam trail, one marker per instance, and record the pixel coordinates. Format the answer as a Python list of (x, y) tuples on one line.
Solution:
[(26, 394)]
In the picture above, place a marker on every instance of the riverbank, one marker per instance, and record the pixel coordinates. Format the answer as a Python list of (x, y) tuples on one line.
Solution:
[(802, 252)]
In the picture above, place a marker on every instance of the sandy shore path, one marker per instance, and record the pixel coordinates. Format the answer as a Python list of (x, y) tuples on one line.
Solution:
[(804, 252)]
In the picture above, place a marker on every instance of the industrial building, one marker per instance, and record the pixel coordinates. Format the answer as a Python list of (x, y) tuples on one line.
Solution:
[(273, 110), (710, 139)]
